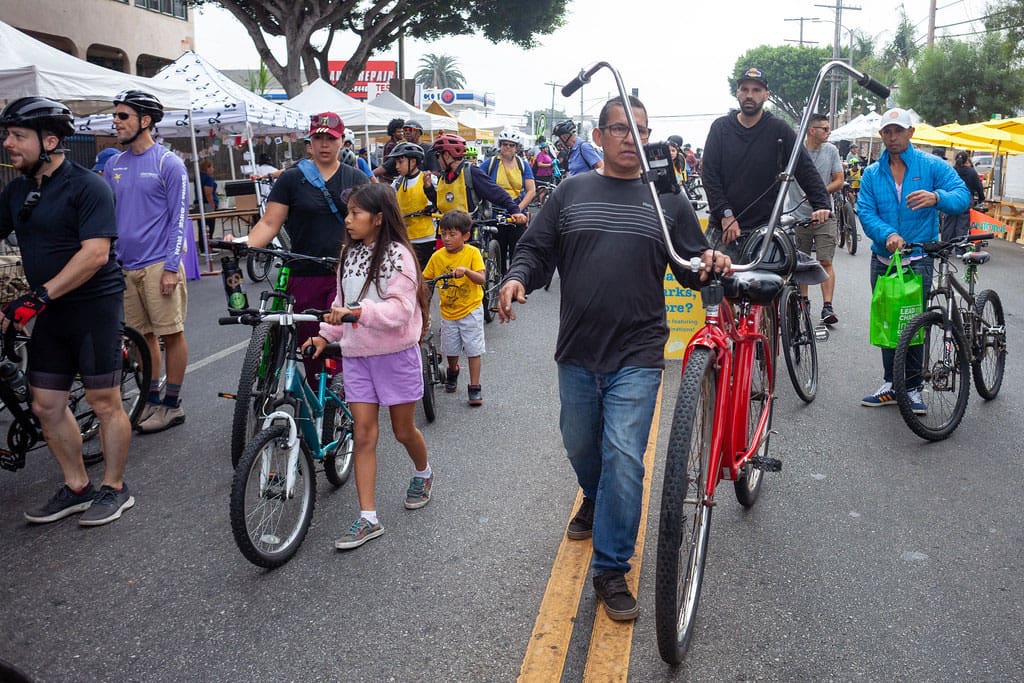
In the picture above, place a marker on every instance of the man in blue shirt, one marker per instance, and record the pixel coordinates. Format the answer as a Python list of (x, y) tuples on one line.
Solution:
[(583, 156)]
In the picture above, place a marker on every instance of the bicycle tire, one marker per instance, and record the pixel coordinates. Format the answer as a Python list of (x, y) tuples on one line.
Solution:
[(492, 279), (338, 427), (428, 382), (258, 267), (257, 392), (989, 344), (852, 234), (747, 486), (684, 524), (840, 225), (945, 388), (136, 368), (799, 346), (268, 525)]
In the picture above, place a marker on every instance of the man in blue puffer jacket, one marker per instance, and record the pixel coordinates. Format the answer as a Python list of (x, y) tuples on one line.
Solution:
[(899, 201)]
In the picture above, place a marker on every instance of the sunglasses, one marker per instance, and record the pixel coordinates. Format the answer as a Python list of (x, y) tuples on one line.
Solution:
[(30, 203), (325, 121), (122, 115)]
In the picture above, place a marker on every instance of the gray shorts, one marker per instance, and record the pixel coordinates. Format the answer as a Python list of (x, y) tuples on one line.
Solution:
[(464, 336), (823, 236)]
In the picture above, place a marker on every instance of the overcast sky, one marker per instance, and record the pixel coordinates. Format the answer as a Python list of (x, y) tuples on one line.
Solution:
[(680, 60)]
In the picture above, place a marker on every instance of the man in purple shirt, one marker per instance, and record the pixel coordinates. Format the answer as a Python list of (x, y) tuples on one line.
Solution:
[(151, 188)]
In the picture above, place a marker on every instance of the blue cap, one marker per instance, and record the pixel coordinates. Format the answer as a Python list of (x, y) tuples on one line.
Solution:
[(102, 157)]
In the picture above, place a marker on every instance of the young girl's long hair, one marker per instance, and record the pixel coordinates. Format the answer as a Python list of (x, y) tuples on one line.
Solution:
[(380, 198)]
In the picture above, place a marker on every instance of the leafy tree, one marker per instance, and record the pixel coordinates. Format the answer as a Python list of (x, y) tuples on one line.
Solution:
[(958, 81), (440, 71), (790, 70), (902, 49), (258, 81), (378, 24)]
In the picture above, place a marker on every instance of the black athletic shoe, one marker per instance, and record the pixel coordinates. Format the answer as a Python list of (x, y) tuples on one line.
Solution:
[(582, 525), (107, 506), (828, 316), (619, 603), (63, 503)]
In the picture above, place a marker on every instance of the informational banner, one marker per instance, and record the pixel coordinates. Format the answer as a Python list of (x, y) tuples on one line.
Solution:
[(683, 312), (449, 96), (982, 222), (375, 77)]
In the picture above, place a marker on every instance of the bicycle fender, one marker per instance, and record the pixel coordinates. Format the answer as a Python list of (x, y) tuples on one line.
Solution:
[(293, 448)]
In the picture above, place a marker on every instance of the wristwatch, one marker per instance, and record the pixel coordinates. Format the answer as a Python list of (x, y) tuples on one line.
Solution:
[(727, 213)]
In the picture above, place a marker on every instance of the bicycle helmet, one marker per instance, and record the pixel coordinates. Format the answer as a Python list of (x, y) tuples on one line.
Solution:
[(406, 149), (350, 136), (451, 143), (567, 127), (348, 157), (781, 256), (414, 124), (509, 135), (143, 103), (675, 140), (39, 114), (472, 152)]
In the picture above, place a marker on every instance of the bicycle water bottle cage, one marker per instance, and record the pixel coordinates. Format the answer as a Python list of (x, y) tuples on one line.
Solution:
[(755, 286)]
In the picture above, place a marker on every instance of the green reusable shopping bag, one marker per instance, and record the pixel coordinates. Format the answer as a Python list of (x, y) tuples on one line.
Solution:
[(897, 298)]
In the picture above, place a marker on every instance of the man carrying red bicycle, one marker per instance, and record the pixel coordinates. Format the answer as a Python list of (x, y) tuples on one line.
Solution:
[(610, 351)]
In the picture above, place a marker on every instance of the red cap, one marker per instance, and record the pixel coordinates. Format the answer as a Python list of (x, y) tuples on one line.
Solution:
[(327, 122)]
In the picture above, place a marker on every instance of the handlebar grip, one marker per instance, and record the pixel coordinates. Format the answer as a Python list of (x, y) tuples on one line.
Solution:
[(874, 86), (982, 236), (9, 338), (231, 320), (572, 86), (350, 318)]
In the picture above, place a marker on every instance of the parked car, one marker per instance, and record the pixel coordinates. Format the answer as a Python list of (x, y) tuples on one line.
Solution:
[(982, 164)]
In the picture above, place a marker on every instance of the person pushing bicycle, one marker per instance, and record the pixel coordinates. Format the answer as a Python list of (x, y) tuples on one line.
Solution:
[(612, 331)]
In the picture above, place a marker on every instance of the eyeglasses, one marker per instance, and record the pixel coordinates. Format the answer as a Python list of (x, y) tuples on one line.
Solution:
[(122, 115), (325, 121), (30, 203), (621, 130)]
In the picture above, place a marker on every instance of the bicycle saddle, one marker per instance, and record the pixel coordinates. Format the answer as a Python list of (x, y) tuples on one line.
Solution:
[(808, 270), (756, 286), (975, 257)]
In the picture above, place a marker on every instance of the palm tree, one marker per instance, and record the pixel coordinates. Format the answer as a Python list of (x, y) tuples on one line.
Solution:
[(440, 71)]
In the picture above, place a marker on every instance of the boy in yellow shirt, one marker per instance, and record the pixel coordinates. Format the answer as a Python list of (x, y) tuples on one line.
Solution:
[(462, 317)]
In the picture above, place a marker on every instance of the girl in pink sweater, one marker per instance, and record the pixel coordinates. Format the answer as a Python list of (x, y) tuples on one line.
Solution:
[(379, 281)]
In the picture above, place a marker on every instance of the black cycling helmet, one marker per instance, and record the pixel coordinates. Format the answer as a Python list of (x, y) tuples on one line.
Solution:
[(395, 125), (567, 127), (675, 140), (39, 114), (142, 102), (406, 149)]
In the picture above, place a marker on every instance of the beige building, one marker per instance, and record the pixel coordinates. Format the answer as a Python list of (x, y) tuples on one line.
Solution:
[(132, 36)]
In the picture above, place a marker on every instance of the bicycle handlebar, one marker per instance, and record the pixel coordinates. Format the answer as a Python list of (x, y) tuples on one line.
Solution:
[(253, 317), (939, 246), (238, 249)]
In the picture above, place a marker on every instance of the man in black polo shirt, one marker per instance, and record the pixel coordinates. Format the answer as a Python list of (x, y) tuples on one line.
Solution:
[(63, 215)]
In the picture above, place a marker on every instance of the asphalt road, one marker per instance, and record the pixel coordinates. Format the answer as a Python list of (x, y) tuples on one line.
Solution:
[(872, 556)]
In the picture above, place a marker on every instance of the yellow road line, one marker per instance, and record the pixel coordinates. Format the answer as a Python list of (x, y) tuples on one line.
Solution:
[(610, 642)]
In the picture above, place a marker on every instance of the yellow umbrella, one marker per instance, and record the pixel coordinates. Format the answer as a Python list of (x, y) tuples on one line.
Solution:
[(1014, 126), (925, 134), (1005, 142)]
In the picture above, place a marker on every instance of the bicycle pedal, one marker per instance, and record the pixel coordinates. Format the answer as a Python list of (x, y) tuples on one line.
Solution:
[(765, 464), (821, 333)]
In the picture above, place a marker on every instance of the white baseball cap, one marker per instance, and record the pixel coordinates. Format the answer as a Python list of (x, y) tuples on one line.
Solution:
[(896, 117)]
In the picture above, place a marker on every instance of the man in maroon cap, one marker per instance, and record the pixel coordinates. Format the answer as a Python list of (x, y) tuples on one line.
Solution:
[(309, 201)]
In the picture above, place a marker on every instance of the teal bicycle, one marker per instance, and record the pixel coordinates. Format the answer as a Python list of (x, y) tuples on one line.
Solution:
[(273, 491)]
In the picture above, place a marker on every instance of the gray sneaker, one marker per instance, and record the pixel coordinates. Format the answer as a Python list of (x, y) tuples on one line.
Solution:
[(63, 503), (418, 493), (163, 417), (107, 506), (359, 533)]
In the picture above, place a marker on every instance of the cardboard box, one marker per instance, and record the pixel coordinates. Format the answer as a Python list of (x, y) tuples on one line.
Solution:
[(246, 202)]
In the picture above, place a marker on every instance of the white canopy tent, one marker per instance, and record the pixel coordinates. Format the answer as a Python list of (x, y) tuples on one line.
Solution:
[(320, 96), (29, 67), (431, 122)]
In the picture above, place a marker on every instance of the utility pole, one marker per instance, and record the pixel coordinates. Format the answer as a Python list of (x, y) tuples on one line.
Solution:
[(931, 23), (812, 20), (833, 95), (551, 118)]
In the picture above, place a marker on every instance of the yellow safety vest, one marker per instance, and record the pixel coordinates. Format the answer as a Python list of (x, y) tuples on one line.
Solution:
[(453, 195), (413, 199)]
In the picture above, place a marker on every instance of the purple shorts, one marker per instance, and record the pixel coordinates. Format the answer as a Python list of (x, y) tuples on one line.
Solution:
[(388, 380)]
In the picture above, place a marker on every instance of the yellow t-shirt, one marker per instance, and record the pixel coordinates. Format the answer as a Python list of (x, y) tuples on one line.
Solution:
[(461, 296), (509, 180)]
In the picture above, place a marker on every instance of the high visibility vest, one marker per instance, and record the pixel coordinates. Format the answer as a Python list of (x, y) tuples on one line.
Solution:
[(454, 194), (412, 199)]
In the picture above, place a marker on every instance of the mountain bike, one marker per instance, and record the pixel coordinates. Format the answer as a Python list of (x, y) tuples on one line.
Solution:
[(259, 381), (433, 374), (722, 420), (846, 219), (25, 434), (485, 238), (273, 491), (964, 334)]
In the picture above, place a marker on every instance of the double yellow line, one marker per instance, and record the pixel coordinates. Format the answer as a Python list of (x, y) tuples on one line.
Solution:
[(610, 641)]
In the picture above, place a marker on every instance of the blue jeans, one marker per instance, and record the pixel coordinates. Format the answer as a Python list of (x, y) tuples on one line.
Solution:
[(605, 421), (915, 354)]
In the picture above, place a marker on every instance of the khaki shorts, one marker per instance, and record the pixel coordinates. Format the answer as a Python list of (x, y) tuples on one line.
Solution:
[(823, 236), (149, 311)]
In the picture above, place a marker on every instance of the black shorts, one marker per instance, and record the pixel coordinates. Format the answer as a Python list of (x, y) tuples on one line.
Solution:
[(78, 338)]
